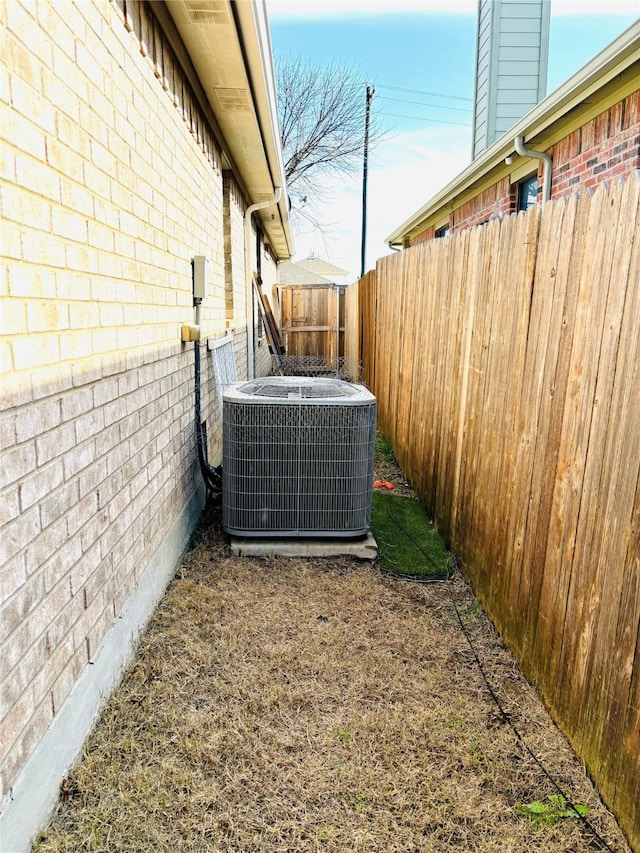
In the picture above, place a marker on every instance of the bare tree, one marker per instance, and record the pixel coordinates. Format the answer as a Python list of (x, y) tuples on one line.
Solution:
[(322, 118)]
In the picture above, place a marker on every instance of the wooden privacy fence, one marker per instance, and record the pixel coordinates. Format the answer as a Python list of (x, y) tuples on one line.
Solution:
[(506, 364)]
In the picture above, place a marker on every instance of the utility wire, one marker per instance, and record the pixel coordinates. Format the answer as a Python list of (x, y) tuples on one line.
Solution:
[(422, 92), (425, 104), (507, 719), (419, 118)]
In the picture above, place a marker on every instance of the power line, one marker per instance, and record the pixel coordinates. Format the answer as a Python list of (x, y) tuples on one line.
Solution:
[(422, 92), (369, 98), (425, 104), (432, 120)]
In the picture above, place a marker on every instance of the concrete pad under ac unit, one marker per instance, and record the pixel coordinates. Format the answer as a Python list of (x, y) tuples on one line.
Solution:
[(362, 549)]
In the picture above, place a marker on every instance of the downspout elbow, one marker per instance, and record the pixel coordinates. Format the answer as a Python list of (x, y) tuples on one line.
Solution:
[(546, 161), (277, 195)]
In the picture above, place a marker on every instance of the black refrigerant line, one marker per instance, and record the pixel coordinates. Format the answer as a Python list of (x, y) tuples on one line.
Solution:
[(212, 476)]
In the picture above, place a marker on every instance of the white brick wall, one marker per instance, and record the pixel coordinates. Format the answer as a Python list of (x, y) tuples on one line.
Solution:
[(106, 195)]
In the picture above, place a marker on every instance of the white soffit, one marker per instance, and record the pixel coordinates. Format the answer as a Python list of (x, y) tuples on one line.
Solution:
[(222, 62)]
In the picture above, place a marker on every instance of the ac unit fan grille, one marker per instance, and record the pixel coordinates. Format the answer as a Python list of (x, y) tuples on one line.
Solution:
[(296, 469), (299, 389)]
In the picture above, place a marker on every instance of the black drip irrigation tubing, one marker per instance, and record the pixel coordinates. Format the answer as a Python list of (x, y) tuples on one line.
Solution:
[(442, 576)]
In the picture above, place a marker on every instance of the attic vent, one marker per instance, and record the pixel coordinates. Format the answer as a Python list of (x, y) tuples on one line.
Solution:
[(207, 11), (233, 99)]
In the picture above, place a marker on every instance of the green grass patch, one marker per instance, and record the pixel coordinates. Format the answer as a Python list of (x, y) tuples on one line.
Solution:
[(408, 543)]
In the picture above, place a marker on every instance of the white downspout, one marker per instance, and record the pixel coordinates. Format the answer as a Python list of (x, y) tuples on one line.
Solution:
[(546, 168), (251, 346)]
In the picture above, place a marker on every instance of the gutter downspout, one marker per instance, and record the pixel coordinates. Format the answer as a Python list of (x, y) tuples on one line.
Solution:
[(251, 346), (545, 160)]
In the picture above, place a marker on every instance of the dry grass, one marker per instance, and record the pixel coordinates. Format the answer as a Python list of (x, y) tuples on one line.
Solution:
[(302, 705)]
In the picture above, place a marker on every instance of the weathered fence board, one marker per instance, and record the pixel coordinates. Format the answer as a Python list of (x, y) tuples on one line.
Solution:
[(506, 364), (610, 652)]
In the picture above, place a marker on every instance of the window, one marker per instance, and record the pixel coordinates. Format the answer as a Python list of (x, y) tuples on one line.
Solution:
[(528, 192), (442, 232)]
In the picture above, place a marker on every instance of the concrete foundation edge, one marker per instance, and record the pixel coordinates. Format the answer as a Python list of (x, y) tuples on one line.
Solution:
[(33, 798)]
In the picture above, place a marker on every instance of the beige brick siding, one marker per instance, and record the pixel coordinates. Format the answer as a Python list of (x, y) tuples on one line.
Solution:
[(111, 182), (233, 245), (235, 286)]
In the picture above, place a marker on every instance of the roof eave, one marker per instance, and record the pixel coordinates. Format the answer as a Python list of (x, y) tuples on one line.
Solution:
[(230, 51), (613, 60), (253, 27)]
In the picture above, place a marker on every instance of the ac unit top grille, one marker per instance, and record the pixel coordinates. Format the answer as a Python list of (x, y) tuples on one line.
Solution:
[(294, 389)]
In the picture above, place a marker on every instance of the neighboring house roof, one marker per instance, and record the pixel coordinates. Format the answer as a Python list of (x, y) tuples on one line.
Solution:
[(290, 273), (227, 47), (323, 268), (608, 78)]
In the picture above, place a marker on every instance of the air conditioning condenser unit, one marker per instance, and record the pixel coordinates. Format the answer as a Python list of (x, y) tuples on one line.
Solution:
[(298, 457)]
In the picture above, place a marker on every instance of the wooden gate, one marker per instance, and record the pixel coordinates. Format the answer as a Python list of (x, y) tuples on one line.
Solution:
[(313, 321)]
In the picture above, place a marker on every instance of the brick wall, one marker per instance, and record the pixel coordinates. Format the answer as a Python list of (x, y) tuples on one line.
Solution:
[(111, 183), (497, 200), (234, 207), (424, 236), (606, 147)]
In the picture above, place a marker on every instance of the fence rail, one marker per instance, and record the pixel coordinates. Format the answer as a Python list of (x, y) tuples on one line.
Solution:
[(506, 364)]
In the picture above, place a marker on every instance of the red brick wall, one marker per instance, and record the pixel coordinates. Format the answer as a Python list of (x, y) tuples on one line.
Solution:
[(603, 148), (425, 236), (494, 200), (607, 146)]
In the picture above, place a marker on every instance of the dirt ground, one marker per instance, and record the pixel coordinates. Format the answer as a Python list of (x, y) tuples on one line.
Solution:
[(317, 705)]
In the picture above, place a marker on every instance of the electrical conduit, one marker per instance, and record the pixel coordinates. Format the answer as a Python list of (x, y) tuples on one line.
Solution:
[(212, 476)]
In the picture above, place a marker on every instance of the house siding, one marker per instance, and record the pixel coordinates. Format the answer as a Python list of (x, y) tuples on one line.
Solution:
[(606, 147), (111, 184), (483, 74), (511, 65), (424, 236), (235, 288), (494, 201)]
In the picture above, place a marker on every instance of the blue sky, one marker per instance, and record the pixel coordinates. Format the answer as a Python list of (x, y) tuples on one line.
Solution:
[(427, 46)]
